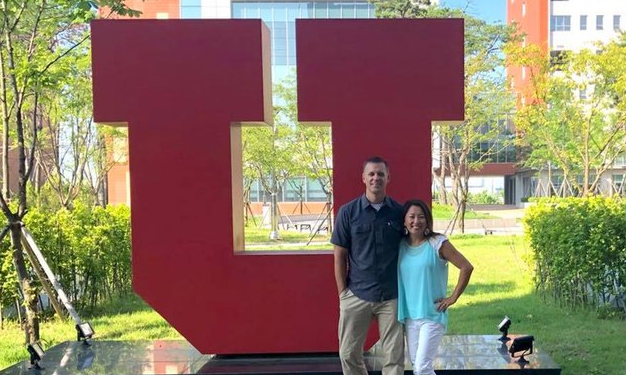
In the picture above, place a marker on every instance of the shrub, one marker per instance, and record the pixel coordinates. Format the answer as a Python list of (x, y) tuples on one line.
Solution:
[(579, 249), (485, 197), (87, 248)]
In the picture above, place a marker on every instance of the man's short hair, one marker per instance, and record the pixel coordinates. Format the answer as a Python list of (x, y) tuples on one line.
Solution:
[(376, 160)]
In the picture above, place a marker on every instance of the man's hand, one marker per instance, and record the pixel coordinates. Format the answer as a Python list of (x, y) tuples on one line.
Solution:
[(341, 267)]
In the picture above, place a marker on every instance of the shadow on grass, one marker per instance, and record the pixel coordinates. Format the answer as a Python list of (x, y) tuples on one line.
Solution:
[(478, 288), (131, 303)]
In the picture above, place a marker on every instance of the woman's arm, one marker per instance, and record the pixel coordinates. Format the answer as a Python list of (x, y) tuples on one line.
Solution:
[(451, 254)]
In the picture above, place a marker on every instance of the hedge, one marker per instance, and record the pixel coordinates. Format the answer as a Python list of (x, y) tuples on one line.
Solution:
[(88, 249), (579, 249)]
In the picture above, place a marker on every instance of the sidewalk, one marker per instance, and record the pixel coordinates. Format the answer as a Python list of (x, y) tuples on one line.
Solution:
[(507, 221)]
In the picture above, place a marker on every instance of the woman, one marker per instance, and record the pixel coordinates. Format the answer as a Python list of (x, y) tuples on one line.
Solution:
[(422, 285)]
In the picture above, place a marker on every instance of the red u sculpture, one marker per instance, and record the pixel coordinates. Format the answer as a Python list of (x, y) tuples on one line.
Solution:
[(184, 88)]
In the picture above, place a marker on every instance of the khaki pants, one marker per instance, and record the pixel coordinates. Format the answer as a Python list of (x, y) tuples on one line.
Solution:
[(355, 317)]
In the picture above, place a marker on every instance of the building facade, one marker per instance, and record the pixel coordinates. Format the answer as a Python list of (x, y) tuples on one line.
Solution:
[(557, 27)]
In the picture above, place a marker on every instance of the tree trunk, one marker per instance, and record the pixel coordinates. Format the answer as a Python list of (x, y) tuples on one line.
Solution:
[(26, 285), (461, 220), (5, 130), (443, 197)]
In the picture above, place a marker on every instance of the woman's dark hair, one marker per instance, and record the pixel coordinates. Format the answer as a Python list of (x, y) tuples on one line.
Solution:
[(427, 212)]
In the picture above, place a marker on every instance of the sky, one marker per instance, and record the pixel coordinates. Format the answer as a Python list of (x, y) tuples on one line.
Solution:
[(492, 11)]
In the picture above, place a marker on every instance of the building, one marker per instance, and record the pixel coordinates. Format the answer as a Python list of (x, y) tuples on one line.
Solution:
[(559, 26)]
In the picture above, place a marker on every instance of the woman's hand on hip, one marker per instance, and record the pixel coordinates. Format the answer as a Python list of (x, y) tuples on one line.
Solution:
[(444, 303)]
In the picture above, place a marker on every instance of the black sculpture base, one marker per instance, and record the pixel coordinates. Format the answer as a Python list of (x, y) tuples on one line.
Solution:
[(457, 355)]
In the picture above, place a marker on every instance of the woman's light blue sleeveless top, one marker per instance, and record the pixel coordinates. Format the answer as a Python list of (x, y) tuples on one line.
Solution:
[(422, 278)]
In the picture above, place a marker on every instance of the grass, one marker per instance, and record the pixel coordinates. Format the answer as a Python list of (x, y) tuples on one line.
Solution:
[(444, 212), (501, 285)]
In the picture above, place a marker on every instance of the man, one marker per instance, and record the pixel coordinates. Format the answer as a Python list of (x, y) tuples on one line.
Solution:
[(366, 237)]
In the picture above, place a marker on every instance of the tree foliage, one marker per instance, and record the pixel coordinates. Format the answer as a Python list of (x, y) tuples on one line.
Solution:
[(401, 8), (288, 150), (576, 121)]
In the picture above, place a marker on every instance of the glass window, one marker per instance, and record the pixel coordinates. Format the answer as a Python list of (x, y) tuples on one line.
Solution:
[(239, 10), (321, 10), (280, 13), (348, 10), (190, 3), (314, 191), (363, 10), (583, 22), (279, 30), (190, 12), (291, 51), (266, 12), (618, 184), (254, 191), (559, 58), (294, 190), (245, 10), (308, 10), (599, 22), (280, 18), (557, 180), (334, 10), (560, 23), (616, 22), (582, 94), (293, 11)]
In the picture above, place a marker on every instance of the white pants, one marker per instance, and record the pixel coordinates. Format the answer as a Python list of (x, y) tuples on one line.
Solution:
[(423, 338)]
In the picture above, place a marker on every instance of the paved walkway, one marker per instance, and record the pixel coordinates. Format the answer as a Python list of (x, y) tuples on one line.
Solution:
[(507, 220)]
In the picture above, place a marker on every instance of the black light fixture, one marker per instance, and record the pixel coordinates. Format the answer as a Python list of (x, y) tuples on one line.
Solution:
[(36, 353), (504, 328), (84, 332), (520, 347)]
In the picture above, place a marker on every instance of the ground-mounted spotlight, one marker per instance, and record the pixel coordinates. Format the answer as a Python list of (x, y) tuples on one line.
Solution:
[(36, 353), (84, 332), (504, 328), (520, 347)]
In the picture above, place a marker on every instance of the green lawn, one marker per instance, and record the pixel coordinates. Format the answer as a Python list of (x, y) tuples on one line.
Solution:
[(501, 285), (443, 212)]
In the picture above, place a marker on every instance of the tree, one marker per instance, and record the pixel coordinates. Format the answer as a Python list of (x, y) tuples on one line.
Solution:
[(577, 119), (487, 101), (401, 8), (267, 157), (288, 150), (35, 36), (73, 157), (313, 152)]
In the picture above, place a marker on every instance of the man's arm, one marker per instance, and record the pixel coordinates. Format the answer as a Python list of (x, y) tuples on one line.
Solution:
[(341, 267)]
